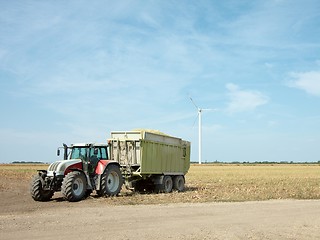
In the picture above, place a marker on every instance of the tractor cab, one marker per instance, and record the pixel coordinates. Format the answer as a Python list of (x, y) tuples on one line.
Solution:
[(89, 154)]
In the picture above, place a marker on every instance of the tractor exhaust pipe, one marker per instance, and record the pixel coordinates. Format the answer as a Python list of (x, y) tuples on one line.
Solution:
[(65, 152)]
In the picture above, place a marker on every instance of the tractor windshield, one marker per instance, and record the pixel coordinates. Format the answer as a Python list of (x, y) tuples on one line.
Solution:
[(79, 152)]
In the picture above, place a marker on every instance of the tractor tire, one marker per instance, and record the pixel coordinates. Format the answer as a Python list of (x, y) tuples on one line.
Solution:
[(166, 186), (74, 186), (111, 181), (37, 192), (178, 183)]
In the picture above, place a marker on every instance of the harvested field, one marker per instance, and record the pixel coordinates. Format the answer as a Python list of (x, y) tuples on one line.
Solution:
[(201, 212), (208, 183), (255, 182)]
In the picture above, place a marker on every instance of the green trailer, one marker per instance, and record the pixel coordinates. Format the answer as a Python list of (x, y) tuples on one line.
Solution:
[(150, 160)]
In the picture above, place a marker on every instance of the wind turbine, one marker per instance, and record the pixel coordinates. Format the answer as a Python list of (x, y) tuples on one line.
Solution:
[(200, 110)]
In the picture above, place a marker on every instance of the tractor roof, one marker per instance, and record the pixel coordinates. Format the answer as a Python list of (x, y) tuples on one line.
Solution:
[(89, 144)]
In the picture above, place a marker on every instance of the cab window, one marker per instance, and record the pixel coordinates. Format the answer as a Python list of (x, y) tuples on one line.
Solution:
[(95, 152), (104, 154), (78, 153)]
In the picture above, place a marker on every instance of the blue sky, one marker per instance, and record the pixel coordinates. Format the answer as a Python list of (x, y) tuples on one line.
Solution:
[(72, 71)]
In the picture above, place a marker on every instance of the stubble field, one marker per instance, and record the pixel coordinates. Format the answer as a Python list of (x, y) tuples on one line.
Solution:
[(220, 202), (207, 183)]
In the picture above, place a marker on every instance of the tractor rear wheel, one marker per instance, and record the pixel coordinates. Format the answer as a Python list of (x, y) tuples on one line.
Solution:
[(74, 186), (37, 192), (111, 181)]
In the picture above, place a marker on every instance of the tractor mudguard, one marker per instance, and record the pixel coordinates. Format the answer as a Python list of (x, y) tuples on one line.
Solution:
[(101, 167)]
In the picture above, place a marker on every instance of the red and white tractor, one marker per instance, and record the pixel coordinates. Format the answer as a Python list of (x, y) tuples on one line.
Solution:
[(85, 168)]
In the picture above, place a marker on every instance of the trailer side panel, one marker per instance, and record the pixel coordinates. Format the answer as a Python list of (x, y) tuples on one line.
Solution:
[(151, 153), (160, 158)]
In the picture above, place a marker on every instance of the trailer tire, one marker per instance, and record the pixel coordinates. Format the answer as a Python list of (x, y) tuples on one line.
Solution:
[(166, 186), (178, 183), (37, 192), (74, 186), (111, 181)]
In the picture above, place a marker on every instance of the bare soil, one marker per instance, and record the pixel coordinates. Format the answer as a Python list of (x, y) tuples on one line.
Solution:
[(95, 218)]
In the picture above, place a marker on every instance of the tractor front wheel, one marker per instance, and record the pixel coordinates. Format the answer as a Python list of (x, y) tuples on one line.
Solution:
[(74, 186), (111, 181), (37, 192)]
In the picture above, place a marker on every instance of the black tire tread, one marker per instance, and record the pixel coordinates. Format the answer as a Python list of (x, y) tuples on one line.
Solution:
[(104, 186), (161, 188), (67, 184), (179, 183), (37, 193)]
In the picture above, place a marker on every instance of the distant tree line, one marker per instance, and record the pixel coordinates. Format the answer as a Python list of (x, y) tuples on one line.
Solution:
[(27, 162)]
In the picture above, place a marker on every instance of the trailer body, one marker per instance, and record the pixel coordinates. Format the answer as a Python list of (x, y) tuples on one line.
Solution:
[(149, 155)]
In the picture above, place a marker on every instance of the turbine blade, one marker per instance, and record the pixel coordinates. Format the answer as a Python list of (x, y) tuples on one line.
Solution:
[(194, 103), (194, 122), (209, 109)]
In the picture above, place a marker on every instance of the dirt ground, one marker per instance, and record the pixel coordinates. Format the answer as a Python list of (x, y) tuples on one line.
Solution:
[(93, 218)]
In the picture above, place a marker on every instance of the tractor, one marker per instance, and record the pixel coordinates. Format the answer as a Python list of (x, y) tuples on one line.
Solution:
[(85, 168)]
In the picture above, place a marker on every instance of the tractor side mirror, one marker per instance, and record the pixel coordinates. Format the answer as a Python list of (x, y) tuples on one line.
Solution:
[(58, 152), (96, 151)]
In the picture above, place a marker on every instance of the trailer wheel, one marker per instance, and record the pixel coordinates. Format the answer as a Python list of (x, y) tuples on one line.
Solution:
[(74, 186), (111, 181), (178, 183), (37, 192), (166, 186)]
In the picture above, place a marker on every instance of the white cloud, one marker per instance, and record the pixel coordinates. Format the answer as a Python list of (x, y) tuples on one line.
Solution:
[(244, 100), (306, 81)]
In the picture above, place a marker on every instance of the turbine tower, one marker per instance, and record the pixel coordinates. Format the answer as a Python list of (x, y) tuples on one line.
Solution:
[(200, 127)]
